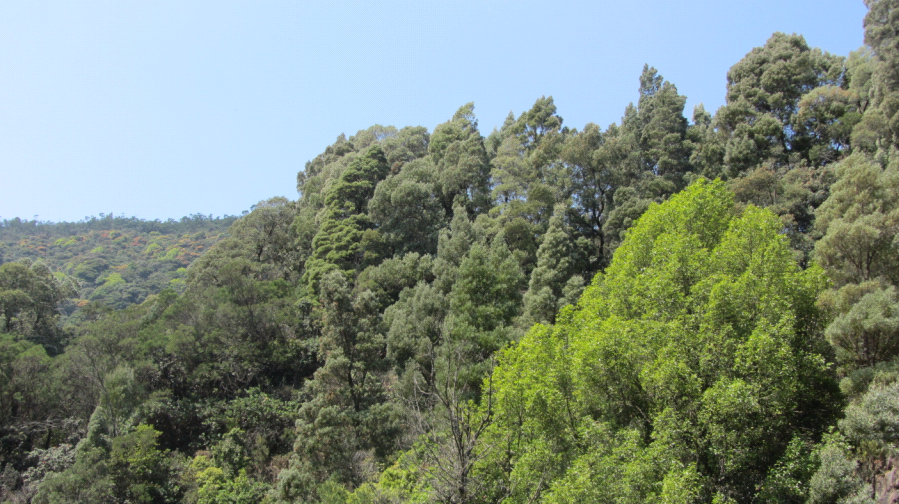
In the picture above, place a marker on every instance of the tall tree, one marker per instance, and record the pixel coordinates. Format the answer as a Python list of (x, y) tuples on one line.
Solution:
[(457, 149), (660, 128), (882, 36), (527, 162), (553, 282), (341, 243), (347, 427), (408, 208), (859, 249), (763, 94), (596, 174)]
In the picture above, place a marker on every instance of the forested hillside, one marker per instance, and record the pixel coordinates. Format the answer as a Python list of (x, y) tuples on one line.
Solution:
[(661, 310), (113, 261)]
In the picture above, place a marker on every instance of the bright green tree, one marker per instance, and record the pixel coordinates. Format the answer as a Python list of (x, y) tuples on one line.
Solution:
[(684, 373)]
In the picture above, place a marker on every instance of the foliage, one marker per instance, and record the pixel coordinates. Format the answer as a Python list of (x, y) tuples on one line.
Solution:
[(666, 359), (114, 261), (415, 327)]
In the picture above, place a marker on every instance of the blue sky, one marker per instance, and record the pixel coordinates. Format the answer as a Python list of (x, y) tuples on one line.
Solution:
[(163, 109)]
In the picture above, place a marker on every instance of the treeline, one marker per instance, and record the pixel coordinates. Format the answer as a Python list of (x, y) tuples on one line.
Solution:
[(11, 229), (663, 309)]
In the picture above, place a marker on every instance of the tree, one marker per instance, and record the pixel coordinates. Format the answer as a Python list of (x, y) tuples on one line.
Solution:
[(788, 116), (457, 149), (861, 222), (527, 173), (132, 469), (264, 237), (627, 167), (826, 116), (29, 298), (553, 283), (866, 329), (707, 144), (449, 423), (660, 128), (408, 208), (686, 369), (417, 321), (341, 243), (881, 25), (347, 426), (764, 90), (596, 169)]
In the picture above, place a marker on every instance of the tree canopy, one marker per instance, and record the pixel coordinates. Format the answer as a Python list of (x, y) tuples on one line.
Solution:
[(668, 309)]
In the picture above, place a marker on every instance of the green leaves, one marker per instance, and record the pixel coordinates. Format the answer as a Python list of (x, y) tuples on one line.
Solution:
[(880, 35), (868, 332), (370, 311), (457, 150), (859, 250), (861, 221), (29, 298), (763, 100), (487, 292), (341, 242), (408, 208), (695, 349), (357, 183)]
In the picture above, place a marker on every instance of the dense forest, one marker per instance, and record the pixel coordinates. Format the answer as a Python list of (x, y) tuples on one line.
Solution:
[(662, 310), (111, 261)]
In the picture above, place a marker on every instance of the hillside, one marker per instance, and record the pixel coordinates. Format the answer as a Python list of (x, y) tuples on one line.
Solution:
[(661, 310), (116, 261)]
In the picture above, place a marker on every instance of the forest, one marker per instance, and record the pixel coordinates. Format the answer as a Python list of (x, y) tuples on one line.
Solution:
[(666, 309), (111, 262)]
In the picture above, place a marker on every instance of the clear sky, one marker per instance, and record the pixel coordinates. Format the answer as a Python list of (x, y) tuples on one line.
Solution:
[(163, 109)]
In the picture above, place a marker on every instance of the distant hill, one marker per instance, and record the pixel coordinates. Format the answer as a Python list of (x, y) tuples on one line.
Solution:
[(117, 261)]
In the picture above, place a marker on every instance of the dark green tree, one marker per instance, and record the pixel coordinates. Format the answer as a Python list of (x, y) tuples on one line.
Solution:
[(347, 427), (595, 162), (763, 94), (342, 242), (30, 295), (660, 129), (553, 282), (860, 220), (408, 208), (881, 28), (457, 150), (527, 173)]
